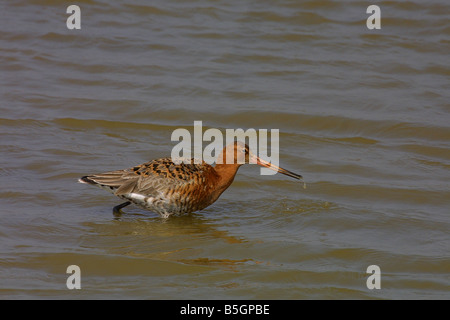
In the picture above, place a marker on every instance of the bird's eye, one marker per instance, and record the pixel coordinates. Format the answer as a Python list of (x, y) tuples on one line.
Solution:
[(245, 150)]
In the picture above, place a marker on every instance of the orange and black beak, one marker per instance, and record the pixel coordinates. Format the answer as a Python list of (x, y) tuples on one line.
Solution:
[(263, 163)]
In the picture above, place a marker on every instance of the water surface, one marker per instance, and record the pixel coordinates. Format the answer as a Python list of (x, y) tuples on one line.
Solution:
[(363, 116)]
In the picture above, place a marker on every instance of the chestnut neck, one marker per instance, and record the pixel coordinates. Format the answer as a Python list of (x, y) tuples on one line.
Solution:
[(226, 173)]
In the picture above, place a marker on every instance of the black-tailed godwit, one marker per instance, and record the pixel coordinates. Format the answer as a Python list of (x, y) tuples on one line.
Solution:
[(167, 188)]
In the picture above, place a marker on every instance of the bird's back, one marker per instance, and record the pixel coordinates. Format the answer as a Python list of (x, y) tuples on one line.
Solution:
[(161, 185)]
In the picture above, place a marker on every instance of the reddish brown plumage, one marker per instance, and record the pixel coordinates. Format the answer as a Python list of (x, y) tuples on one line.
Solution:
[(167, 188)]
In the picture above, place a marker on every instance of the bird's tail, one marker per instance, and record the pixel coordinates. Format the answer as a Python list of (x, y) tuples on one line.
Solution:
[(87, 180)]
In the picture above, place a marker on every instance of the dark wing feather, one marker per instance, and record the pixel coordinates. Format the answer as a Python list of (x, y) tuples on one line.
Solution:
[(150, 177)]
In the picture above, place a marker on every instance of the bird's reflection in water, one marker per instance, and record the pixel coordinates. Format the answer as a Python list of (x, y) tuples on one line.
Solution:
[(194, 239)]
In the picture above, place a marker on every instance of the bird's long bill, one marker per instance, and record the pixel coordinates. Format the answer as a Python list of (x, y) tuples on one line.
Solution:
[(276, 168)]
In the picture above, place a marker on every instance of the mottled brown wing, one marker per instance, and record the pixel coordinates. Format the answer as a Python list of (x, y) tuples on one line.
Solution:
[(150, 178)]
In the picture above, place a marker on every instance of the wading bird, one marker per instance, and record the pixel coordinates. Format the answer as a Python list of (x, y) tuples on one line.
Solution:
[(167, 188)]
